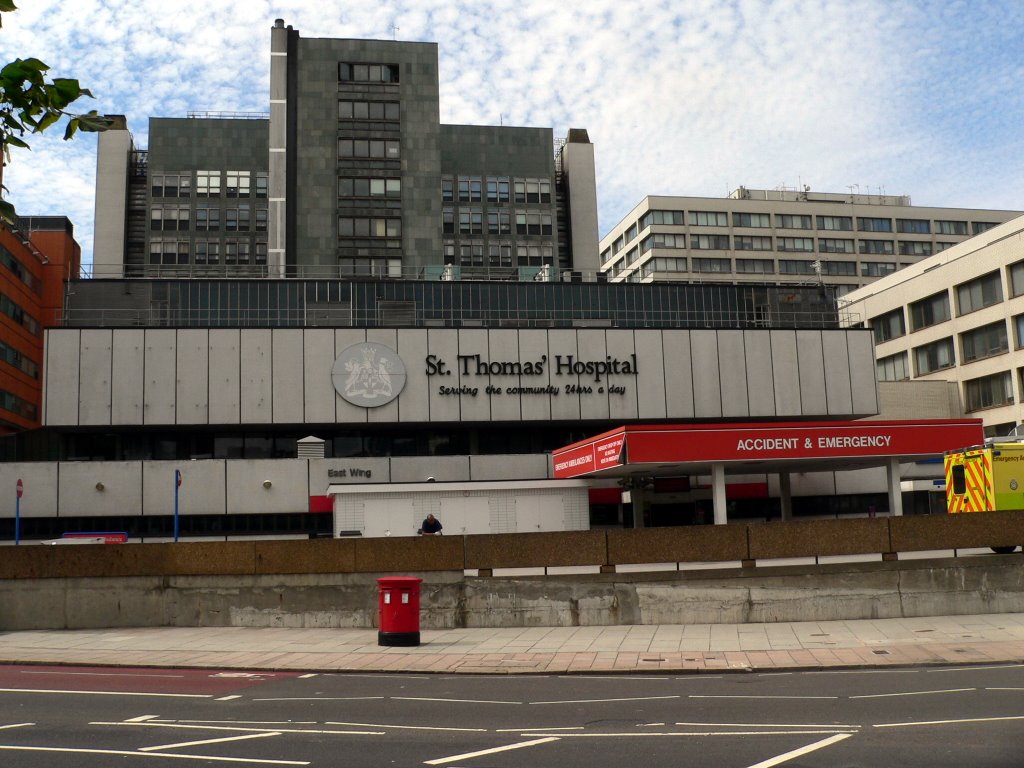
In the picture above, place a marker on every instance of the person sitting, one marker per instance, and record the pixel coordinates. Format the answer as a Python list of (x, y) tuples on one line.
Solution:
[(431, 526)]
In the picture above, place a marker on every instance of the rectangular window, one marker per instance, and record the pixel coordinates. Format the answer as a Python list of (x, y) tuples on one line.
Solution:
[(979, 293), (659, 265), (796, 244), (834, 245), (912, 248), (876, 247), (795, 267), (868, 224), (377, 228), (262, 183), (712, 265), (662, 241), (761, 220), (1018, 327), (1016, 278), (914, 226), (837, 223), (661, 217), (709, 242), (367, 73), (988, 392), (888, 326), (934, 357), (792, 221), (986, 341), (708, 219), (207, 183), (977, 227), (893, 368), (752, 243), (447, 190), (845, 268), (951, 227), (376, 149), (236, 183), (755, 266), (929, 311), (877, 268)]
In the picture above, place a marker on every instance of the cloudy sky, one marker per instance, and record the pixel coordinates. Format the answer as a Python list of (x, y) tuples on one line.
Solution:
[(680, 97)]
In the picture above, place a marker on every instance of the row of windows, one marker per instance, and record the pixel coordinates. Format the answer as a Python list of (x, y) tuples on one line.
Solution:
[(239, 218), (984, 392), (367, 73), (795, 221), (369, 110), (492, 254), (377, 149), (14, 404), (761, 266), (788, 244), (20, 271), (368, 187), (18, 314), (171, 252), (210, 184), (14, 358), (470, 221), (374, 227), (473, 189)]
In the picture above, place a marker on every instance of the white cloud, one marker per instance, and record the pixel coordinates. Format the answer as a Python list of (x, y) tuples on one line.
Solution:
[(687, 98)]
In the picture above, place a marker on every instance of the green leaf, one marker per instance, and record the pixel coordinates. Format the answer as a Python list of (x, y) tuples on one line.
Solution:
[(7, 213), (14, 141)]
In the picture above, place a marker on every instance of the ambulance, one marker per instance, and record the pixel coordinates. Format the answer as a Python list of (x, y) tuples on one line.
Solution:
[(985, 478)]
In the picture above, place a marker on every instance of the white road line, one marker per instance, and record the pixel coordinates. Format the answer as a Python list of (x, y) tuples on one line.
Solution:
[(771, 725), (458, 701), (972, 668), (708, 696), (948, 722), (506, 748), (1004, 689), (245, 722), (787, 756), (408, 727), (863, 671), (91, 674), (110, 693), (323, 698), (688, 734), (14, 725), (229, 698), (520, 730), (151, 724), (608, 677), (910, 693), (141, 718), (306, 677), (209, 741), (598, 701), (123, 752)]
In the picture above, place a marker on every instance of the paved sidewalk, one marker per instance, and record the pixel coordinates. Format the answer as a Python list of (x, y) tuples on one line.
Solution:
[(982, 639)]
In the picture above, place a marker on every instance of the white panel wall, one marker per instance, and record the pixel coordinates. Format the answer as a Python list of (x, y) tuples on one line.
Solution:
[(201, 492), (651, 393), (563, 406), (193, 394), (386, 414), (414, 402), (288, 490), (593, 345), (785, 373), (707, 382), (61, 389), (446, 346), (863, 380), (160, 377), (732, 372), (95, 367), (837, 376), (128, 386), (288, 374), (760, 375), (80, 493), (679, 381), (318, 356), (533, 345), (476, 407), (346, 413), (504, 345), (811, 367), (40, 483), (622, 344), (257, 376)]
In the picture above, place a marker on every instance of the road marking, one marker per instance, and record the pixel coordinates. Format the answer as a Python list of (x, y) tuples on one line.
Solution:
[(864, 672), (1004, 689), (151, 724), (142, 718), (597, 701), (688, 734), (15, 725), (972, 669), (246, 722), (110, 693), (609, 677), (123, 752), (771, 725), (910, 693), (209, 741), (323, 698), (506, 748), (949, 722), (708, 696), (520, 730), (229, 698), (408, 727), (458, 701), (787, 756), (91, 674), (306, 677)]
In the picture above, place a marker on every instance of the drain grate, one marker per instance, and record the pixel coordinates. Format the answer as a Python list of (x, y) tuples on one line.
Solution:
[(881, 653)]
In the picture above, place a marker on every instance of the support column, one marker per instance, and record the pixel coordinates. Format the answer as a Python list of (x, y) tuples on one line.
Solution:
[(895, 495), (636, 496), (785, 496), (718, 493)]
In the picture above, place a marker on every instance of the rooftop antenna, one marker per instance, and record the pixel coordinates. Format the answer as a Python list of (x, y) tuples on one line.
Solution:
[(394, 32)]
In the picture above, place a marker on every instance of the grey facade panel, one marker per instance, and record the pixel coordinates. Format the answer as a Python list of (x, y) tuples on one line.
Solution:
[(288, 376), (414, 403), (504, 345), (473, 343), (318, 357), (678, 384), (443, 406), (707, 382), (159, 398), (533, 346), (593, 345), (563, 405), (624, 389), (62, 393), (863, 380), (97, 358), (257, 377), (652, 394), (385, 414), (785, 381), (187, 143), (837, 376), (225, 376), (346, 412), (811, 369), (193, 390), (732, 367), (760, 375), (128, 386)]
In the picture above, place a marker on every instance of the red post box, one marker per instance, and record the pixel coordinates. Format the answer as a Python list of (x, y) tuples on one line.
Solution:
[(399, 605)]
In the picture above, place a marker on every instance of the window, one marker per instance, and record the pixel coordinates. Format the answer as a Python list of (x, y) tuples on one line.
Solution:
[(661, 217), (979, 293), (839, 223), (369, 110), (788, 244), (977, 227), (762, 220), (711, 265), (893, 368), (1017, 278), (911, 248), (497, 189), (988, 392), (867, 224), (262, 183), (168, 252), (236, 218), (1018, 326), (662, 241), (913, 226), (11, 402), (630, 233), (986, 341), (888, 326), (169, 218), (448, 221), (447, 190), (876, 247), (19, 270), (389, 149), (755, 266), (951, 227), (940, 246), (752, 243), (959, 473), (171, 185), (207, 183), (499, 254), (17, 360), (207, 251), (367, 73), (377, 228), (532, 191), (499, 223), (18, 314), (929, 311), (261, 219), (934, 356), (795, 267), (839, 267), (533, 255), (877, 268), (236, 183), (709, 242), (369, 187), (834, 245), (708, 219), (662, 265), (533, 223), (471, 254), (470, 189), (792, 221), (207, 219)]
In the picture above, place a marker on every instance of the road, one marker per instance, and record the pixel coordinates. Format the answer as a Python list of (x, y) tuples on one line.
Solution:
[(927, 716)]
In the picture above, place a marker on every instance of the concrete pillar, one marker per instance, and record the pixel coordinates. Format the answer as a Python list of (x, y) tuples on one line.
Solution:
[(786, 496), (895, 496), (636, 495), (718, 493), (277, 229)]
